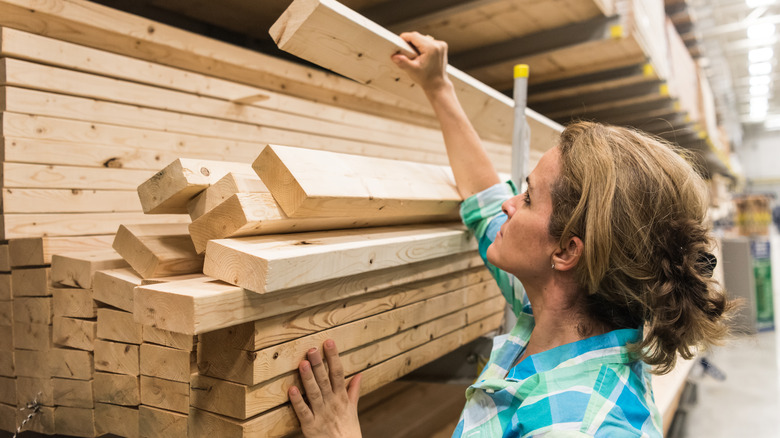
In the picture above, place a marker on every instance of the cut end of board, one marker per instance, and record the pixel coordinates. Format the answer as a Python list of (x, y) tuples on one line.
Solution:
[(291, 19), (279, 180)]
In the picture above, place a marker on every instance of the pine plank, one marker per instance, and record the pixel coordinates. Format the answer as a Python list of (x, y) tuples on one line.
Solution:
[(253, 214), (69, 201), (77, 269), (8, 417), (27, 363), (116, 357), (29, 389), (5, 258), (117, 325), (73, 393), (6, 338), (30, 282), (32, 336), (166, 363), (7, 365), (6, 313), (282, 421), (115, 287), (159, 423), (25, 175), (202, 305), (223, 189), (78, 224), (116, 420), (35, 310), (73, 302), (165, 394), (6, 291), (75, 421), (116, 389), (74, 333), (265, 263), (8, 390), (158, 250), (167, 338), (37, 251), (169, 190), (309, 183), (71, 364)]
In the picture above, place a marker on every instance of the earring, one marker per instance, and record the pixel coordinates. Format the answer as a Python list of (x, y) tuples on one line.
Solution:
[(553, 265)]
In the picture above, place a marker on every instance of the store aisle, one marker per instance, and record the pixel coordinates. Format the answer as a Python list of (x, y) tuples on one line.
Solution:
[(747, 403)]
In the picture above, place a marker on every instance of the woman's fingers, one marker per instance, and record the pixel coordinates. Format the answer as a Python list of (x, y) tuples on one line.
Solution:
[(353, 392), (320, 374), (305, 416), (313, 392), (334, 365)]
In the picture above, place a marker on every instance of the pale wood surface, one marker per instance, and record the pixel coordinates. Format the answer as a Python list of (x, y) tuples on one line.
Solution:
[(30, 282), (8, 390), (158, 250), (42, 423), (116, 389), (70, 364), (73, 302), (77, 269), (189, 306), (36, 310), (159, 423), (5, 258), (32, 336), (115, 287), (31, 388), (221, 190), (73, 393), (116, 357), (165, 394), (117, 325), (83, 225), (117, 420), (37, 251), (167, 338), (27, 363), (166, 363), (74, 421), (74, 333), (309, 183), (270, 263), (169, 190)]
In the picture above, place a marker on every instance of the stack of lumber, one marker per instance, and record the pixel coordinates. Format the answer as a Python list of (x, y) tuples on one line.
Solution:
[(137, 341)]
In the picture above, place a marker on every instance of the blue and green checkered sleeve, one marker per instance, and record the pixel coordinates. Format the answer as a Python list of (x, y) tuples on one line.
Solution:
[(483, 216)]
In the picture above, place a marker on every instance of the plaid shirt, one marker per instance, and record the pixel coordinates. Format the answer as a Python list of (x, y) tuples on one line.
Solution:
[(587, 388)]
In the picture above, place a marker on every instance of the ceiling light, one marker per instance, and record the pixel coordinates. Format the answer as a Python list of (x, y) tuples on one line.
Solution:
[(759, 90), (757, 3), (773, 123), (760, 80), (760, 31), (758, 113), (760, 68), (761, 55)]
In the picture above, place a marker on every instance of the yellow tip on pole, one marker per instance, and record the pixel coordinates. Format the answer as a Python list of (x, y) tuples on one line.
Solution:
[(663, 89), (648, 70), (521, 71), (616, 31)]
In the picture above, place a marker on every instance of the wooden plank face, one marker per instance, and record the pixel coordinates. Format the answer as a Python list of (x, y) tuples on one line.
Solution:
[(309, 183), (116, 389), (162, 250), (116, 357), (266, 263), (77, 269), (116, 420), (115, 287), (72, 364)]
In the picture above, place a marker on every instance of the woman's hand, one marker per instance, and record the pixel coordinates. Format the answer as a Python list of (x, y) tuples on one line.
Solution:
[(332, 407), (428, 69)]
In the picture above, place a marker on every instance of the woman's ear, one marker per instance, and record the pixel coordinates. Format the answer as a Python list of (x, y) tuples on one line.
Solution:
[(567, 258)]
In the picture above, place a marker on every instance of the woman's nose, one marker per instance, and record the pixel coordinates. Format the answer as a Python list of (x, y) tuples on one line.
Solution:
[(508, 208)]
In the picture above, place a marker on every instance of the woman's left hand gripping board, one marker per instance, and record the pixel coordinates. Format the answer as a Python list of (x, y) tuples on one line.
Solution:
[(331, 410)]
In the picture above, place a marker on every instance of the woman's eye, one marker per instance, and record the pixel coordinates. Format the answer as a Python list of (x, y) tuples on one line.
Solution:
[(526, 198)]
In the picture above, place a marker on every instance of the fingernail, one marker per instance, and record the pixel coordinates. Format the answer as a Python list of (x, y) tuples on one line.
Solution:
[(313, 350), (294, 390), (329, 343), (305, 366)]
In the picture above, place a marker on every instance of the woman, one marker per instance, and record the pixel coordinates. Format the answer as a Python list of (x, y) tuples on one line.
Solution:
[(607, 239)]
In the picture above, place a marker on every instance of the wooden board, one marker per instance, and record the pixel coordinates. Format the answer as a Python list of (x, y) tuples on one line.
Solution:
[(189, 306), (166, 363), (160, 423), (74, 333), (308, 183), (6, 292), (6, 313), (117, 325), (116, 389), (35, 310), (115, 287), (7, 366), (83, 225), (73, 393), (117, 420), (30, 282), (158, 250), (29, 389), (264, 263), (37, 251), (71, 364), (170, 189), (27, 363), (333, 36), (32, 336), (180, 341), (282, 421), (165, 394), (254, 214), (116, 357), (74, 421), (5, 258), (73, 302), (69, 201), (8, 390), (223, 189), (77, 269), (42, 423)]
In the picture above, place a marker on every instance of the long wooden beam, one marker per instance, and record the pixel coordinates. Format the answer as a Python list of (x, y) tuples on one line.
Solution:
[(337, 38), (223, 189), (309, 183), (269, 263), (158, 250), (202, 305)]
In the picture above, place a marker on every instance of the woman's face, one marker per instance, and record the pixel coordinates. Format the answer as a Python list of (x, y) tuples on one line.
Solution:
[(523, 246)]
